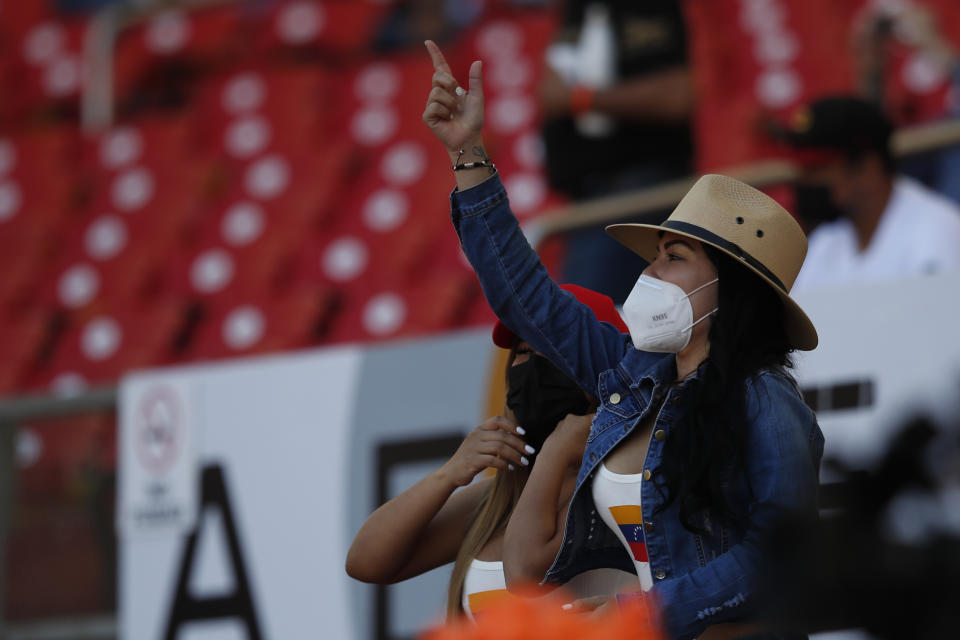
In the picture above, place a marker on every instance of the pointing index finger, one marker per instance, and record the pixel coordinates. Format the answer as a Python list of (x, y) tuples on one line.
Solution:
[(439, 62)]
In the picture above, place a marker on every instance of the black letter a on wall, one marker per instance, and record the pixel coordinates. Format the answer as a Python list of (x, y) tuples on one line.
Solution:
[(239, 604)]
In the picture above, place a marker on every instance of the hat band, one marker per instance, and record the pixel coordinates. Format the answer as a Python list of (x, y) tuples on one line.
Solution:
[(726, 245)]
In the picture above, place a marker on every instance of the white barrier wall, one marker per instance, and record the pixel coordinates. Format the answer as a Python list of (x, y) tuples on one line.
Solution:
[(885, 351), (293, 452), (276, 435), (242, 484)]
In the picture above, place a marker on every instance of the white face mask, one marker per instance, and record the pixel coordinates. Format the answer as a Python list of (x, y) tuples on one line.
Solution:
[(659, 315)]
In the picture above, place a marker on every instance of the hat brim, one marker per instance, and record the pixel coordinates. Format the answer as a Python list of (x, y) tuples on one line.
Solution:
[(643, 239)]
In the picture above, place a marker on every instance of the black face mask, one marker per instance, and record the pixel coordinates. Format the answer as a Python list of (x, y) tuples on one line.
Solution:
[(540, 395), (814, 204)]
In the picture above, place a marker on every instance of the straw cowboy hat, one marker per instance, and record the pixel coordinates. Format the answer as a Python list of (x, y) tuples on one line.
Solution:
[(747, 225)]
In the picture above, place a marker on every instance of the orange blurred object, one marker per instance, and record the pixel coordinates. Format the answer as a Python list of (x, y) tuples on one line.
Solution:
[(515, 617)]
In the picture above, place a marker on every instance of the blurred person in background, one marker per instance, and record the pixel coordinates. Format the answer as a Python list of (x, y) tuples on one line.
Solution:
[(866, 222), (886, 560), (432, 523), (410, 22), (702, 443), (616, 98), (915, 26)]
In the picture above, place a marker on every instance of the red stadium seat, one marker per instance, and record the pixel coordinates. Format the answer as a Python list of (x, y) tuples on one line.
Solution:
[(161, 142), (250, 238), (102, 348), (44, 64), (172, 39), (436, 303), (375, 106), (253, 110), (335, 30), (142, 188), (117, 250), (33, 208), (23, 337), (251, 322)]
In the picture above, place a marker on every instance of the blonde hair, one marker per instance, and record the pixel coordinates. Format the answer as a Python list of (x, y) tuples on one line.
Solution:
[(491, 515)]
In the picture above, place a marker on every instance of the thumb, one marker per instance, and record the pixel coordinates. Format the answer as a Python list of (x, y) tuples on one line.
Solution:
[(476, 78)]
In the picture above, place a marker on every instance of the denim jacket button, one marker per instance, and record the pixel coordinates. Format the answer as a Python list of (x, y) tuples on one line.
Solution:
[(614, 398), (660, 574), (648, 526), (660, 435), (646, 474)]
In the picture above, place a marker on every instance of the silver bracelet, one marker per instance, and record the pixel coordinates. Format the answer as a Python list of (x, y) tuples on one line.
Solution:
[(473, 165)]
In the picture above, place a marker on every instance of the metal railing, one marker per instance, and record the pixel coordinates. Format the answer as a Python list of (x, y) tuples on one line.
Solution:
[(15, 412), (908, 141)]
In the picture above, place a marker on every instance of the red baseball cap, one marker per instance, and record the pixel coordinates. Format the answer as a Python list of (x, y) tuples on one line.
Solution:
[(601, 305)]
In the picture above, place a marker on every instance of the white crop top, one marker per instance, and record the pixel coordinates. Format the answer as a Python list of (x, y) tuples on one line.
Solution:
[(617, 499), (483, 584)]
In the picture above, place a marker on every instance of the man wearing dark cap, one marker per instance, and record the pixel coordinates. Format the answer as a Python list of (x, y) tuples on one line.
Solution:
[(865, 222)]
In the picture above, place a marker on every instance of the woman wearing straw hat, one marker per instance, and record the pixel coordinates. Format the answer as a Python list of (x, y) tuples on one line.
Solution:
[(702, 443)]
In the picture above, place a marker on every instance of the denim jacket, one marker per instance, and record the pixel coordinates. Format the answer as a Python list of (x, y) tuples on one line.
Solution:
[(699, 580)]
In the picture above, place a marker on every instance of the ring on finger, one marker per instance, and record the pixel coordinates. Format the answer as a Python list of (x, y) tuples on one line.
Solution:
[(460, 91)]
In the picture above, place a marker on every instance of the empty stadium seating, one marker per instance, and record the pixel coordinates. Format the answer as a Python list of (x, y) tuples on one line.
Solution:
[(267, 185)]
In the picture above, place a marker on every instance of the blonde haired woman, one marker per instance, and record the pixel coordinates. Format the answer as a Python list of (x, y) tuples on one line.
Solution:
[(432, 523)]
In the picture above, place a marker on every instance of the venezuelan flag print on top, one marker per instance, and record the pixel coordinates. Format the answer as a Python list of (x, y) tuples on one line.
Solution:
[(483, 585), (629, 518)]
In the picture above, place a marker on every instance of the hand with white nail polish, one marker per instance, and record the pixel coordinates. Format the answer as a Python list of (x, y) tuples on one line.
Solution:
[(429, 521), (494, 443), (598, 605)]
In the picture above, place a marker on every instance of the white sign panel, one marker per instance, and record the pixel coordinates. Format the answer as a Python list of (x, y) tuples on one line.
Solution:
[(266, 557), (158, 472)]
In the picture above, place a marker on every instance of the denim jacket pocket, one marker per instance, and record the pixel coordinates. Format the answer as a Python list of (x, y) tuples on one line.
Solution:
[(617, 404), (602, 424), (711, 546), (712, 542), (616, 396)]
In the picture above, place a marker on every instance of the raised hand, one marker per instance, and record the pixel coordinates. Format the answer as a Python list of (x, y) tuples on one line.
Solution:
[(455, 115), (494, 443)]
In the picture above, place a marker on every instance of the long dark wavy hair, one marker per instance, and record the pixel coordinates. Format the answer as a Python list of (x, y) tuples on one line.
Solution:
[(705, 451)]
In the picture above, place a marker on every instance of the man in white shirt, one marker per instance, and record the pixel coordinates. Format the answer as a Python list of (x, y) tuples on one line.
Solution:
[(865, 222)]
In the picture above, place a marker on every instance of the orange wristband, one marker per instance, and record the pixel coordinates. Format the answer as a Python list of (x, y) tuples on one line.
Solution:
[(581, 100)]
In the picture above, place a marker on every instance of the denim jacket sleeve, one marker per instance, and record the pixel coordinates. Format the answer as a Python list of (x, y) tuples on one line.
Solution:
[(521, 293), (782, 465)]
